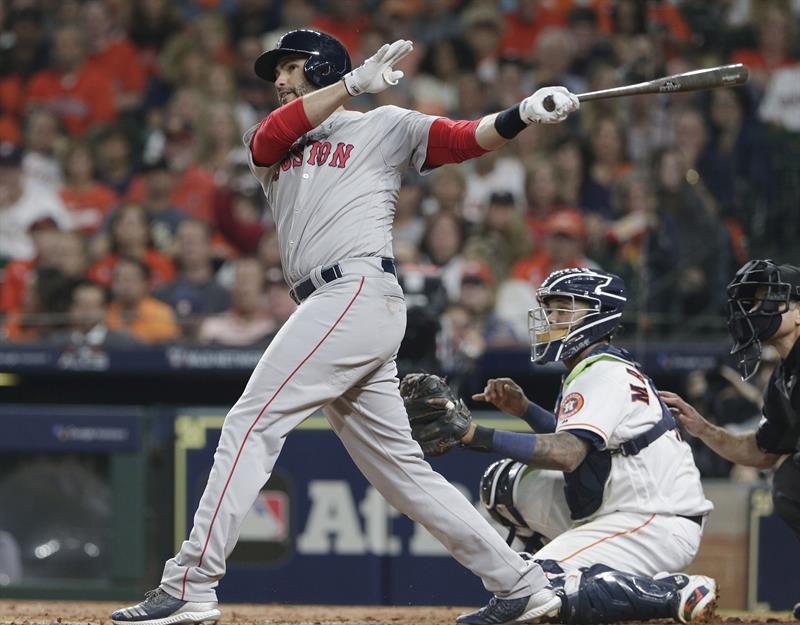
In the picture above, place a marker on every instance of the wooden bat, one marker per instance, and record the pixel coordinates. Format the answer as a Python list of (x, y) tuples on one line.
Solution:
[(711, 78)]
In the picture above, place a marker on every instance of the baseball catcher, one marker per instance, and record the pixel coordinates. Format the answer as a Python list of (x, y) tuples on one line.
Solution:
[(603, 482)]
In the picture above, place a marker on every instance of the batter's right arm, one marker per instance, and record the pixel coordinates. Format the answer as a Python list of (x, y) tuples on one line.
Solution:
[(737, 448)]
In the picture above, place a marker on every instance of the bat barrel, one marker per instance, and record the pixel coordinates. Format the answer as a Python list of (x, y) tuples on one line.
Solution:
[(711, 78)]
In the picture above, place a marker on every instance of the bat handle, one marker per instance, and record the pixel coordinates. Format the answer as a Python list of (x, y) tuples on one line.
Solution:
[(549, 104)]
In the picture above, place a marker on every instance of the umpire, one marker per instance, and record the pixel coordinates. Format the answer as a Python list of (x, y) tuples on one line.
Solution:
[(763, 309)]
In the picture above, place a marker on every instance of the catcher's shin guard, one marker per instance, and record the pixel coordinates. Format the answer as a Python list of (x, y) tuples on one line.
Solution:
[(598, 594)]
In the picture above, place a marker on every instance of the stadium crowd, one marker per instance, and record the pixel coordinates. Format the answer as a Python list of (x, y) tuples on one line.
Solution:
[(128, 213)]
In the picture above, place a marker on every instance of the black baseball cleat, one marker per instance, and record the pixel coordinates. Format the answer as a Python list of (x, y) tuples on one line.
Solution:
[(796, 611), (508, 611), (161, 608)]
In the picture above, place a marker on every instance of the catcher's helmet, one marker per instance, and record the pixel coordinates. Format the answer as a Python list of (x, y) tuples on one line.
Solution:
[(327, 63), (758, 296), (598, 294)]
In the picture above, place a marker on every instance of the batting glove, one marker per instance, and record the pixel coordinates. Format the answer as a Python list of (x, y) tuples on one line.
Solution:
[(532, 110), (376, 73)]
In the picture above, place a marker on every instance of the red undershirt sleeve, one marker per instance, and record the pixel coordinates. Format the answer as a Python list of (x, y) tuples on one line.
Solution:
[(451, 141), (277, 132)]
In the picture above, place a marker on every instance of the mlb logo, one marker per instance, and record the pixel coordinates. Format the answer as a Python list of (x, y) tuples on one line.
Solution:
[(268, 519)]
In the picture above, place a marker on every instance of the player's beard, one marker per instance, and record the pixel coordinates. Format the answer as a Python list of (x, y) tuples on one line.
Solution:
[(298, 92)]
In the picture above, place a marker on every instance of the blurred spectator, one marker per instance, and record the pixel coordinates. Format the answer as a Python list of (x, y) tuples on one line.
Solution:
[(221, 90), (114, 55), (554, 53), (44, 308), (477, 297), (439, 21), (447, 188), (87, 320), (21, 204), (18, 274), (776, 27), (247, 323), (133, 310), (71, 255), (526, 22), (152, 23), (43, 137), (194, 292), (87, 200), (501, 239), (81, 95), (541, 192), (237, 213), (689, 277), (460, 341), (344, 19), (114, 163), (564, 246), (442, 245), (568, 159), (130, 237), (435, 89), (23, 54), (251, 18), (589, 45), (607, 165), (219, 141), (494, 172), (482, 28), (158, 184)]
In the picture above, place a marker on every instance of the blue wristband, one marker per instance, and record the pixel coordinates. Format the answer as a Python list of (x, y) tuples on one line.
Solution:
[(540, 420), (515, 445), (508, 123)]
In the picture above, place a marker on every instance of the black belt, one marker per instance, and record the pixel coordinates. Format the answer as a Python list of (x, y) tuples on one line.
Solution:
[(329, 274), (694, 519)]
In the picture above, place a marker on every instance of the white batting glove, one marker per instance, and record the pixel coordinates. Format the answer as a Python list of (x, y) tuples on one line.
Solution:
[(532, 110), (376, 73)]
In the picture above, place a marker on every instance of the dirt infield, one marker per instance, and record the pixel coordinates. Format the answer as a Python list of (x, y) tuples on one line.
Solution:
[(90, 613)]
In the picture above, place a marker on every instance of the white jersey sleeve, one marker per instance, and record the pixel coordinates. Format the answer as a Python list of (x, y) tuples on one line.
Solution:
[(406, 137), (596, 401)]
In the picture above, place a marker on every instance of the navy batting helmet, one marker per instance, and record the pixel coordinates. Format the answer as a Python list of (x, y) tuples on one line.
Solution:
[(758, 296), (327, 62), (597, 294)]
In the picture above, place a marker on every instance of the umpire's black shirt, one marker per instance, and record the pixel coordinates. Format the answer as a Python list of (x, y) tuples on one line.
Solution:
[(779, 432)]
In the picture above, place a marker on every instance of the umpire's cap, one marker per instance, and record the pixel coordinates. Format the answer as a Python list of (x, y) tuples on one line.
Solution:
[(327, 63)]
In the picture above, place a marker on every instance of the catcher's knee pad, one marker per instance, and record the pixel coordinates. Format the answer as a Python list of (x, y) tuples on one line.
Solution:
[(498, 492), (598, 594)]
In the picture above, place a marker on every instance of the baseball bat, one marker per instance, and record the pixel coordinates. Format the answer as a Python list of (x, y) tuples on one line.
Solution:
[(711, 78)]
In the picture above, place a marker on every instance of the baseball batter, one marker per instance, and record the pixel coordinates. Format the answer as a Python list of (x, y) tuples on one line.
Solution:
[(606, 480), (331, 178)]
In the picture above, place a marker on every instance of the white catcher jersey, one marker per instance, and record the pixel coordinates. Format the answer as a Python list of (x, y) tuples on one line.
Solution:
[(333, 196), (613, 400)]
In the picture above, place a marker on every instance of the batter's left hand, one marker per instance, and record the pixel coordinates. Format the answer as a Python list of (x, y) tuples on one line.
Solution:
[(376, 73), (532, 109)]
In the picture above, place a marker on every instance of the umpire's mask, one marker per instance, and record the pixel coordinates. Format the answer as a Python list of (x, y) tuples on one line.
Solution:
[(758, 296)]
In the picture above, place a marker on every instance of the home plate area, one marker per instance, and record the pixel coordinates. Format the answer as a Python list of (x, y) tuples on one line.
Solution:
[(13, 612)]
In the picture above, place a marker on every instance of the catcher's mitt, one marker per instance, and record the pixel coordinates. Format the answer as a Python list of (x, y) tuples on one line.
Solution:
[(438, 419)]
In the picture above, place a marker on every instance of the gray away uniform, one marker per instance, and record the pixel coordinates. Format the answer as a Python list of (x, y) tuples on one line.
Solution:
[(333, 200)]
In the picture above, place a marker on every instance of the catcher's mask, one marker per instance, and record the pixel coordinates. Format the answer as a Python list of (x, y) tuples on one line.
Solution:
[(327, 62), (574, 308), (758, 296)]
